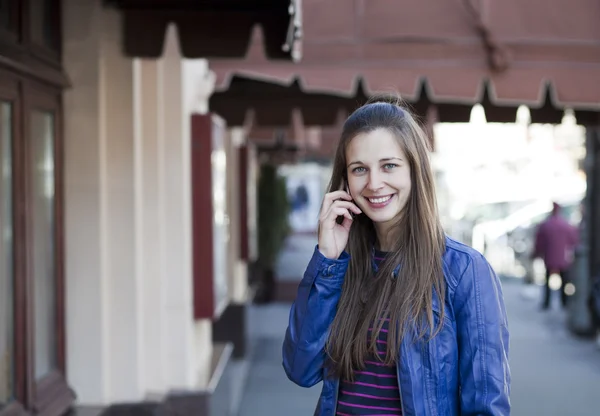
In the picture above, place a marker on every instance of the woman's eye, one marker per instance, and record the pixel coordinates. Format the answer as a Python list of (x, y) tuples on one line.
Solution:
[(390, 166), (359, 169)]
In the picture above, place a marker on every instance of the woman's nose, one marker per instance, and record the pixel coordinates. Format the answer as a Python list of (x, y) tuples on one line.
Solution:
[(375, 183)]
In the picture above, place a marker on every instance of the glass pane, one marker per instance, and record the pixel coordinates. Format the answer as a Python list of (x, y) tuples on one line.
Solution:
[(44, 27), (6, 256), (6, 14), (43, 250)]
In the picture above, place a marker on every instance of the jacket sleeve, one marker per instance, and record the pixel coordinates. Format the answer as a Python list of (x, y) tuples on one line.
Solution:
[(310, 318), (483, 341)]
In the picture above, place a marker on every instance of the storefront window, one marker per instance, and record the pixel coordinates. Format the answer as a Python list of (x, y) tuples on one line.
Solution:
[(6, 257), (43, 238)]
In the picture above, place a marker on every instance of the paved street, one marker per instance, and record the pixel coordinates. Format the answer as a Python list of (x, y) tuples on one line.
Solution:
[(553, 372), (295, 256)]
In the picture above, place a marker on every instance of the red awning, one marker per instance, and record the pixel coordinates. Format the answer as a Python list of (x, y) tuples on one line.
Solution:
[(211, 28), (521, 49)]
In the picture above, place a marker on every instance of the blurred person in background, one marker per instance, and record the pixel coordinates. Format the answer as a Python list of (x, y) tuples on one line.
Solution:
[(555, 243), (392, 315)]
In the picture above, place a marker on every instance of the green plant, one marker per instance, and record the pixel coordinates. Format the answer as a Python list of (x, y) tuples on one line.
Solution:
[(273, 210)]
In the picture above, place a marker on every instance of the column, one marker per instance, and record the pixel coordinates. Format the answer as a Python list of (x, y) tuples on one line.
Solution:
[(104, 302), (176, 245), (579, 318), (123, 287), (86, 323), (593, 137), (149, 211), (239, 279)]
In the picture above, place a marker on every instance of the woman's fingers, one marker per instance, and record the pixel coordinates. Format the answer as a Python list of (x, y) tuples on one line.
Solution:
[(335, 204), (348, 205), (334, 210), (339, 211), (333, 196)]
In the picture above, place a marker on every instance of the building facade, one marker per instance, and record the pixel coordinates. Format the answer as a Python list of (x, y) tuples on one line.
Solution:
[(98, 294)]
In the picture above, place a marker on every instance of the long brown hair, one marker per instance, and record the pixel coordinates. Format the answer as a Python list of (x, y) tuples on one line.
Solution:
[(406, 298)]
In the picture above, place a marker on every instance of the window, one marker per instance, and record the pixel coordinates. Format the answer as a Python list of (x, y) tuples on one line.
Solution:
[(43, 246), (7, 15), (6, 257), (32, 334), (44, 23), (32, 298), (43, 236)]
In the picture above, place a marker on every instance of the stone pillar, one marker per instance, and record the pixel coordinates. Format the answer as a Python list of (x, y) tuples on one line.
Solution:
[(124, 307), (181, 353), (86, 323), (104, 303), (150, 221), (593, 137), (579, 319), (238, 281)]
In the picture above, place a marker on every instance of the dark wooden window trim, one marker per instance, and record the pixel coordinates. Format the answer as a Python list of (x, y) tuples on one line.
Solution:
[(10, 91), (51, 395)]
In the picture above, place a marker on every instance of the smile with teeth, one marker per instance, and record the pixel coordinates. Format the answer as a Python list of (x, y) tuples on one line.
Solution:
[(379, 200)]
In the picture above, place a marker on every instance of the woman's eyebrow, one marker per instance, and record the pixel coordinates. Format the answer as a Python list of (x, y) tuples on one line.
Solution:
[(385, 159)]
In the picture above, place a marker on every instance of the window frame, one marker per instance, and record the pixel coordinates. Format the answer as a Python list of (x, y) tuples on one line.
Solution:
[(52, 391), (51, 394), (9, 92)]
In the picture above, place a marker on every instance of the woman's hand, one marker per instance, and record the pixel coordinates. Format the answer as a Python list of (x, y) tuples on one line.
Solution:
[(333, 237)]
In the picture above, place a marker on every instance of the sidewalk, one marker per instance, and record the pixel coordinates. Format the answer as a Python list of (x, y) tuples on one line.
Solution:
[(554, 373), (268, 390)]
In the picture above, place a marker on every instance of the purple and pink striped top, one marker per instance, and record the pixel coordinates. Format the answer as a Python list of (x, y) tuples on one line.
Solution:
[(375, 389)]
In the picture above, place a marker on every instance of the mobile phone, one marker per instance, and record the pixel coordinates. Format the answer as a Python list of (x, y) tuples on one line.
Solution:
[(340, 218)]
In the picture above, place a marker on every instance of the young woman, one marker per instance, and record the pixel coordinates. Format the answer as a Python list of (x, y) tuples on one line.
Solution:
[(393, 316)]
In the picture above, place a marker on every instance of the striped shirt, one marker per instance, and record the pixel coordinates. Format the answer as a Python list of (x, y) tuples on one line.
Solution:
[(375, 389)]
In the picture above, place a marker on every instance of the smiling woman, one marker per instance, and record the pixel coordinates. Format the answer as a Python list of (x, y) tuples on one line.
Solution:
[(378, 179), (374, 294)]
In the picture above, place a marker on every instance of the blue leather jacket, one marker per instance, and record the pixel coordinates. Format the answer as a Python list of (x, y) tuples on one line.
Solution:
[(462, 371)]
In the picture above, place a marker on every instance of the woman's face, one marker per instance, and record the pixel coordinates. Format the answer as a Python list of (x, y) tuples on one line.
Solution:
[(378, 175)]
